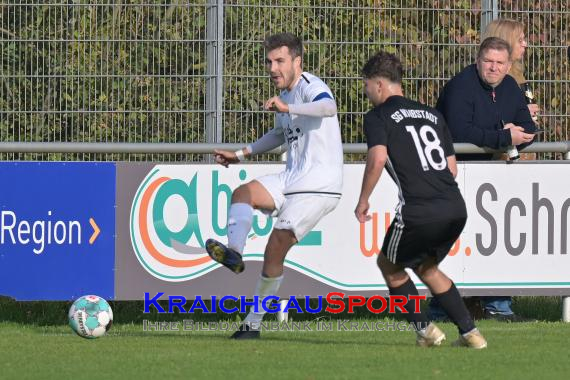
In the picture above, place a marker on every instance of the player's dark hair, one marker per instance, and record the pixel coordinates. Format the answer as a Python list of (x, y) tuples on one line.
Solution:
[(494, 43), (385, 65), (294, 43)]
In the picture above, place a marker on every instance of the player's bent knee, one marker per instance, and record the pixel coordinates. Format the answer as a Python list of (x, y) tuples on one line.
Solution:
[(428, 274), (242, 194), (423, 272), (397, 279), (254, 194)]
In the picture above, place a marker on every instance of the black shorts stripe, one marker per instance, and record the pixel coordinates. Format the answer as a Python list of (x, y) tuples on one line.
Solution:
[(396, 235), (410, 245)]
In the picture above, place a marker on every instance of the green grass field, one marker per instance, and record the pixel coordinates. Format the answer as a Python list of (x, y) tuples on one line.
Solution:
[(516, 351), (36, 343)]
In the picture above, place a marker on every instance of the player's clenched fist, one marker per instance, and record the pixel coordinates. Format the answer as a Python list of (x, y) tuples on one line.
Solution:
[(225, 158), (361, 211), (276, 104)]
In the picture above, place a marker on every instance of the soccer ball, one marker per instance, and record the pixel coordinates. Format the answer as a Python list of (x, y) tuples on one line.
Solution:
[(90, 317)]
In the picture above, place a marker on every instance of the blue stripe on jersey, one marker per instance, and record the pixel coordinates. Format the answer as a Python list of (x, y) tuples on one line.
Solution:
[(322, 95)]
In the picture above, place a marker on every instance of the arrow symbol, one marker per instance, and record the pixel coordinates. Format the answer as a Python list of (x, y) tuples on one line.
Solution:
[(96, 230)]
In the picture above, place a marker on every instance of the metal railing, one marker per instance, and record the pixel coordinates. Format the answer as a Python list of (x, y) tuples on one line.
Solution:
[(204, 148), (192, 71)]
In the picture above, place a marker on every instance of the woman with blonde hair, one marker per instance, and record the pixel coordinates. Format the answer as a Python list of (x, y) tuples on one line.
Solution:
[(513, 32)]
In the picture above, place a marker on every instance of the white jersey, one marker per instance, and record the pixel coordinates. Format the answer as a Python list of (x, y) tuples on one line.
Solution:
[(315, 158)]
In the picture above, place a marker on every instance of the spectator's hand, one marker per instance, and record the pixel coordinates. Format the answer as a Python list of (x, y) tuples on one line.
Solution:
[(225, 158), (361, 211), (518, 136), (511, 125), (276, 104), (534, 110)]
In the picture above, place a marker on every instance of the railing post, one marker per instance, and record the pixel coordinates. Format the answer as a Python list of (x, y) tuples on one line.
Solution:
[(489, 12), (214, 70), (566, 300), (566, 309)]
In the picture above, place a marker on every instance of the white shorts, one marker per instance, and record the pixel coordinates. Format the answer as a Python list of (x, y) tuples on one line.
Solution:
[(298, 213)]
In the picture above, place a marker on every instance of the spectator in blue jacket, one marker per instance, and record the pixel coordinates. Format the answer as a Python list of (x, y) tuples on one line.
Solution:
[(481, 97), (512, 31), (484, 106)]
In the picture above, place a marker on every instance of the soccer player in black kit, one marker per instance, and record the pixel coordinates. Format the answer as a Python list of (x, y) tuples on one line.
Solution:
[(413, 143)]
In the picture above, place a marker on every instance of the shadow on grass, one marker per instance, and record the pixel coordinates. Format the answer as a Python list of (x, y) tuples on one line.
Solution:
[(317, 338)]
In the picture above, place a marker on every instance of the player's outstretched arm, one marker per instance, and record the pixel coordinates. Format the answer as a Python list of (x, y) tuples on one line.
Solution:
[(271, 140), (377, 156)]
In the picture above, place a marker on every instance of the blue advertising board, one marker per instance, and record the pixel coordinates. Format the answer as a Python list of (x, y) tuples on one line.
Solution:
[(57, 227)]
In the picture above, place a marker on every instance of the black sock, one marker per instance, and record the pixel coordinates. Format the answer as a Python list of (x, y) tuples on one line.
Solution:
[(407, 289), (454, 306)]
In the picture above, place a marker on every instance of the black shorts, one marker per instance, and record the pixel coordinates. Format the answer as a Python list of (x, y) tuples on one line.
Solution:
[(409, 245)]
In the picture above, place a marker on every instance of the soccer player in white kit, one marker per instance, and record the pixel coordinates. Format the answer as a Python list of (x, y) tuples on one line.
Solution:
[(308, 189)]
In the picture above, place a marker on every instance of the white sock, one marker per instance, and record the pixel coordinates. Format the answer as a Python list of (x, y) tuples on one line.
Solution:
[(470, 332), (240, 219), (266, 286)]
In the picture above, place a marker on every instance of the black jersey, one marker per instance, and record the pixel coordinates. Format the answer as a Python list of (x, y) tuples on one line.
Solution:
[(418, 144)]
